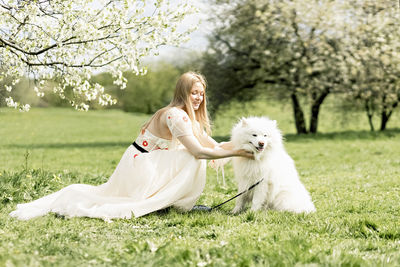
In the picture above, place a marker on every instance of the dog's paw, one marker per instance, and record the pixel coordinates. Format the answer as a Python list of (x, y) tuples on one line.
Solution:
[(255, 208), (237, 210)]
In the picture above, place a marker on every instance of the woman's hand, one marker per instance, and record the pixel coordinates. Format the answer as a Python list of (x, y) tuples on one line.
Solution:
[(244, 153)]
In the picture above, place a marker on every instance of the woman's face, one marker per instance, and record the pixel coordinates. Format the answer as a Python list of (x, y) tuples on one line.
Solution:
[(197, 95)]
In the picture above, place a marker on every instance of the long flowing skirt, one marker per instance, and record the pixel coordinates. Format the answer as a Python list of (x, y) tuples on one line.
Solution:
[(141, 183)]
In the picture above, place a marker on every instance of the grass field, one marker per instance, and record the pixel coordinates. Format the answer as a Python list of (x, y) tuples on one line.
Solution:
[(352, 175)]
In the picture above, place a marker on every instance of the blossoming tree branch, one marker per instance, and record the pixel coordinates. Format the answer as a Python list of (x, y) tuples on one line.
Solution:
[(70, 40)]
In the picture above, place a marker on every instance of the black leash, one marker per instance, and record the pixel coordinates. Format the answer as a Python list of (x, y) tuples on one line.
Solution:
[(205, 208)]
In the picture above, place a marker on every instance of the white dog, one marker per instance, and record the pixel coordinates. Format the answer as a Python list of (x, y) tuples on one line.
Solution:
[(281, 188)]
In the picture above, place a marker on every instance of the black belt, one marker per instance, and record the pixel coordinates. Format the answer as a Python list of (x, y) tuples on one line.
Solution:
[(141, 149)]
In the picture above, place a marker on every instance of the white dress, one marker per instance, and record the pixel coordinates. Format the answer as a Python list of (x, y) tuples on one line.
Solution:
[(142, 182)]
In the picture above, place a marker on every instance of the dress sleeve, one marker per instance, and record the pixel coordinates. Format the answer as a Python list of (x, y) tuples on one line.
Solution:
[(178, 122)]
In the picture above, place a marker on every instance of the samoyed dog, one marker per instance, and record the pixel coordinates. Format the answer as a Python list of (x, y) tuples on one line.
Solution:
[(280, 188)]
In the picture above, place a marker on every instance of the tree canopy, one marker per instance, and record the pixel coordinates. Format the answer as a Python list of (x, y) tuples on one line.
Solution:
[(298, 50), (373, 59), (71, 40)]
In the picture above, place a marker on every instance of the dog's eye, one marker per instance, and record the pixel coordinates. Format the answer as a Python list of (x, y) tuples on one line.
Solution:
[(265, 135), (254, 135)]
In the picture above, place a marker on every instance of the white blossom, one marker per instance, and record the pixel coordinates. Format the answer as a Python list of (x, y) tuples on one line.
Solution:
[(25, 107), (38, 93), (72, 40), (10, 103)]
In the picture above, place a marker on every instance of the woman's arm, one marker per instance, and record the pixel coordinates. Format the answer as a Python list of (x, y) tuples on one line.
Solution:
[(226, 145), (208, 141), (201, 152)]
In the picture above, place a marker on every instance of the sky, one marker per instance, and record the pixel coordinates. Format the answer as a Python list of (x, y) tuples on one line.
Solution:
[(198, 39)]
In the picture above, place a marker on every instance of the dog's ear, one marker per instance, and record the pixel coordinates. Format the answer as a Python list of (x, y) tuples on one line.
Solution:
[(274, 123), (243, 121)]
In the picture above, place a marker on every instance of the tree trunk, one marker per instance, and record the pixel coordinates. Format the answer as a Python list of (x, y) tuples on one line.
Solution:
[(298, 115), (370, 113), (315, 107), (385, 115), (384, 119)]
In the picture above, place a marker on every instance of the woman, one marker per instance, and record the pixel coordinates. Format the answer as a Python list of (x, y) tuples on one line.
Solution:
[(172, 174)]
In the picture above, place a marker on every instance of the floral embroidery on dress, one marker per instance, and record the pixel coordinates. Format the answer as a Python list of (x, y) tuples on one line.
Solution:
[(151, 142), (178, 122)]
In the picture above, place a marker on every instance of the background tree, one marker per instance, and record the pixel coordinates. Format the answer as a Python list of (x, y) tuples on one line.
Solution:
[(373, 59), (289, 48), (71, 40), (144, 94)]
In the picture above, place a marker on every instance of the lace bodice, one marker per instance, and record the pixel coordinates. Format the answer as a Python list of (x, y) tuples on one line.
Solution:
[(150, 142), (178, 123)]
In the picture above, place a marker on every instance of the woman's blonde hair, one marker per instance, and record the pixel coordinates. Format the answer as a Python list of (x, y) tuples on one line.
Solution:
[(181, 99)]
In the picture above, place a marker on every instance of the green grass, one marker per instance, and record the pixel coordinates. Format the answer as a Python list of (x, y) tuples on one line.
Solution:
[(352, 175), (59, 139)]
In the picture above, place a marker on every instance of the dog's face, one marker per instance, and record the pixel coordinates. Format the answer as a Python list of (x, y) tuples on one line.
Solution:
[(255, 139), (256, 134)]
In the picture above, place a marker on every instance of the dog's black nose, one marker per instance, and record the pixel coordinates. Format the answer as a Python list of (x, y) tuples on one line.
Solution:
[(260, 144)]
